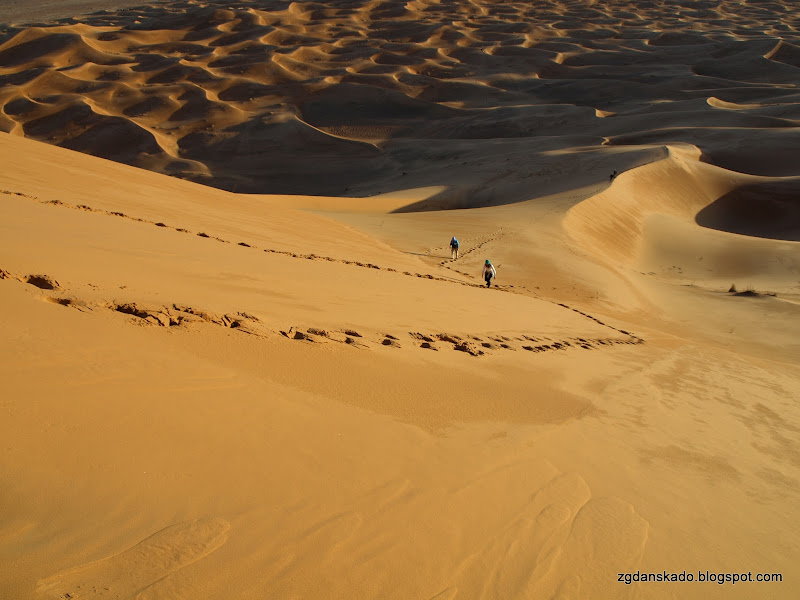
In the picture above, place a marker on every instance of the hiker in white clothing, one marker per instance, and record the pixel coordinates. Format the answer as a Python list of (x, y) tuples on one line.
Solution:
[(488, 272)]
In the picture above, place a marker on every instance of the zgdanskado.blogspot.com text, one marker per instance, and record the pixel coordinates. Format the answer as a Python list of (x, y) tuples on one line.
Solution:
[(699, 577)]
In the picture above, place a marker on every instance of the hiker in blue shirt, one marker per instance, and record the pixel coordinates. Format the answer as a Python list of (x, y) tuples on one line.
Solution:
[(454, 248)]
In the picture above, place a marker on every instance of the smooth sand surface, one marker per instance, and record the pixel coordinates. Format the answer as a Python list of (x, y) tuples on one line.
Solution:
[(238, 361)]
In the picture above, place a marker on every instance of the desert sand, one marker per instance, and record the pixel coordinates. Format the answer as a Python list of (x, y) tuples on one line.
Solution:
[(238, 361)]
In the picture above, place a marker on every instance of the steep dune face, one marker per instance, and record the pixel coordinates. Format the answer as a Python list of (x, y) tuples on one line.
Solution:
[(660, 218), (204, 90), (611, 223)]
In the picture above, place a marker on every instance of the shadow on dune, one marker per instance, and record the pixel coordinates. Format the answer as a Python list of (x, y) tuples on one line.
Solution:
[(767, 210), (357, 97), (254, 155)]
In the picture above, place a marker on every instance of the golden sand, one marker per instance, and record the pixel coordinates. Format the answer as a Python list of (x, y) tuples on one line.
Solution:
[(238, 361)]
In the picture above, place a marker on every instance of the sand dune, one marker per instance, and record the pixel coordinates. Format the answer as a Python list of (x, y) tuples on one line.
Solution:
[(233, 75), (682, 189), (239, 362)]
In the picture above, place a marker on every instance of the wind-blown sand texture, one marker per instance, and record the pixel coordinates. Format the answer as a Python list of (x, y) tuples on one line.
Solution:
[(277, 384)]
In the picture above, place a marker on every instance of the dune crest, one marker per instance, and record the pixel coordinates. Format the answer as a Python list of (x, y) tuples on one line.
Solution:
[(657, 218)]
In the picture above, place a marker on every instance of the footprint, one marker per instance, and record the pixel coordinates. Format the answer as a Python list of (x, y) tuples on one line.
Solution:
[(468, 348), (421, 336), (453, 339), (43, 282), (59, 301), (159, 317), (129, 573), (71, 302)]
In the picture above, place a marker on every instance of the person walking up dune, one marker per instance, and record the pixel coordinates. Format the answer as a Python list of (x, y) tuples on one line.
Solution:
[(454, 248), (488, 272)]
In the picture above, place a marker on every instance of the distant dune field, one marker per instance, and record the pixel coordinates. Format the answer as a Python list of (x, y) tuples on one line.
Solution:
[(239, 360), (242, 96)]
